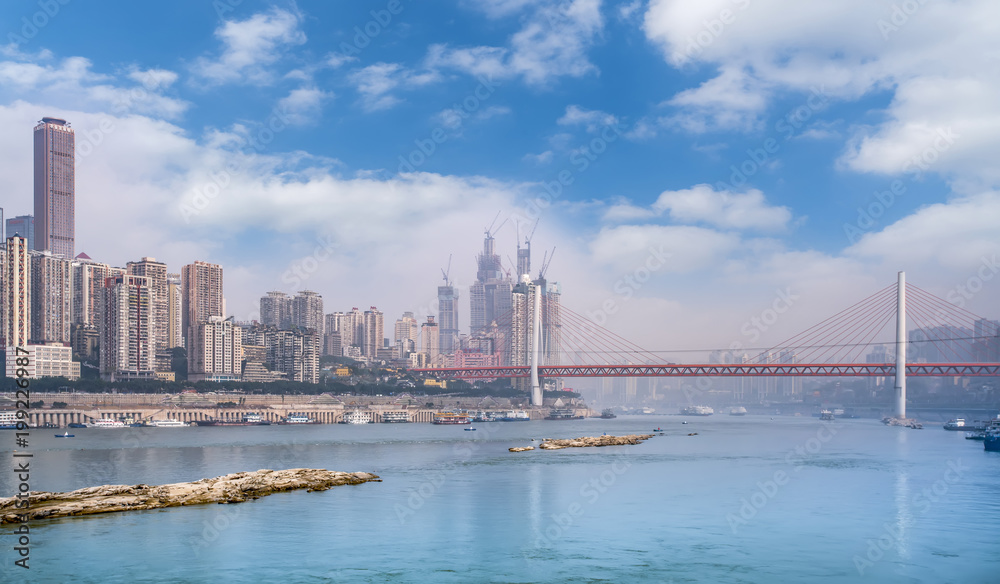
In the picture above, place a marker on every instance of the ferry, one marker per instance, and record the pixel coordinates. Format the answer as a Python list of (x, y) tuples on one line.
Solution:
[(107, 423), (956, 424), (697, 411), (563, 414), (357, 417), (738, 411), (395, 418), (451, 418), (295, 419), (247, 420), (170, 423), (515, 416), (8, 420)]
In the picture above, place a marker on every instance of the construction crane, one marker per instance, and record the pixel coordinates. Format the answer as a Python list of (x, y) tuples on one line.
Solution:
[(545, 263), (447, 271), (490, 231)]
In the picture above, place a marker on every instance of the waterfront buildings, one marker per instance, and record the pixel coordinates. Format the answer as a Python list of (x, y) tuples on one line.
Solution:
[(276, 310), (156, 272), (307, 311), (448, 317), (126, 332), (430, 340), (373, 333), (490, 294), (201, 297), (216, 353), (175, 306), (16, 292), (55, 188), (51, 298), (44, 360)]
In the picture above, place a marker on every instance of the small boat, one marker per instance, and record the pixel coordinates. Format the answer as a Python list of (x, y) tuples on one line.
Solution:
[(826, 415), (684, 422), (956, 424), (975, 436), (76, 425), (658, 429), (66, 435), (470, 429)]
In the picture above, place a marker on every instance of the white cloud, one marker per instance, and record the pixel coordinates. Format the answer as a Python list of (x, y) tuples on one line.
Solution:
[(539, 159), (626, 11), (553, 42), (376, 83), (303, 105), (929, 58), (250, 46), (683, 248), (592, 120), (703, 204)]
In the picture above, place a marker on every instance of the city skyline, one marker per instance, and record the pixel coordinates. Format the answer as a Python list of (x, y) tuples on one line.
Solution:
[(814, 190)]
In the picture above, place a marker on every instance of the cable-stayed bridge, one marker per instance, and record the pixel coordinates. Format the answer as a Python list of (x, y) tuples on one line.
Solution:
[(947, 341)]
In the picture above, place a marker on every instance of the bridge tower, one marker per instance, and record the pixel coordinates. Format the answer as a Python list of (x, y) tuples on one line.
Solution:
[(536, 313), (901, 346)]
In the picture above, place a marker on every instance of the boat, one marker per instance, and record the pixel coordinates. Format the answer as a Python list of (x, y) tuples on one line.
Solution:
[(170, 423), (826, 415), (697, 411), (76, 425), (296, 419), (396, 418), (975, 436), (658, 429), (66, 435), (738, 411), (107, 423), (470, 429), (608, 414), (356, 417), (514, 416), (956, 424), (451, 418), (648, 410), (991, 442), (8, 420), (563, 414), (247, 420)]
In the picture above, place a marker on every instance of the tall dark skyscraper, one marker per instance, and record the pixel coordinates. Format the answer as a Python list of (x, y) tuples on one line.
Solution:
[(55, 187)]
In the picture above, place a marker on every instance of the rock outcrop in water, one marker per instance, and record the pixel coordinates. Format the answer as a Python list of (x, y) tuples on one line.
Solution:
[(231, 488), (551, 444)]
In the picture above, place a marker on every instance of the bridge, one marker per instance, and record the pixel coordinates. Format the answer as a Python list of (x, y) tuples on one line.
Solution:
[(966, 346)]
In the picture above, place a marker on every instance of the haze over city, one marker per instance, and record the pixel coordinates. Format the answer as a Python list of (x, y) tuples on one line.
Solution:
[(747, 167)]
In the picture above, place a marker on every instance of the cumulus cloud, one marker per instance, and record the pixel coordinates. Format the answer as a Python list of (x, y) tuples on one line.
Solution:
[(703, 204), (250, 47)]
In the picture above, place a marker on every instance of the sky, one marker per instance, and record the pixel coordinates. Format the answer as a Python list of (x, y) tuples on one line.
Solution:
[(690, 164)]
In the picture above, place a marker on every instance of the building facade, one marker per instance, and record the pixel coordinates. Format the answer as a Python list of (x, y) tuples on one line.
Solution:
[(55, 187), (17, 292), (156, 272), (51, 298), (201, 296), (217, 351), (23, 225), (127, 333)]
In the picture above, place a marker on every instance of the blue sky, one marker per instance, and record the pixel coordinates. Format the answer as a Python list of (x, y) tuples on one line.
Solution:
[(740, 137)]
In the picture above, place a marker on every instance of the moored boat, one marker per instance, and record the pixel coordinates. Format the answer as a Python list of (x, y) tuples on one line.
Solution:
[(738, 411), (514, 416), (956, 424), (247, 420), (356, 417), (563, 414), (451, 418), (395, 418), (169, 423), (697, 411), (8, 420), (608, 414), (107, 423), (298, 419)]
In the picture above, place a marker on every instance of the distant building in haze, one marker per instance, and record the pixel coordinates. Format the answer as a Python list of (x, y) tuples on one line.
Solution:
[(23, 225)]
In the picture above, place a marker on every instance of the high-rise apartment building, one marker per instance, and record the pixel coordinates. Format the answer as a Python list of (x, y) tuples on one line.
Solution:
[(201, 296), (156, 272), (23, 225), (88, 282), (276, 310), (448, 317), (307, 311), (51, 298), (430, 341), (216, 353), (373, 333), (127, 333), (16, 292), (292, 353), (175, 330), (350, 325), (55, 189)]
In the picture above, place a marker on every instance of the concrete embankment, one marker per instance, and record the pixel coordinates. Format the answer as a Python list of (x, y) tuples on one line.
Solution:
[(232, 488)]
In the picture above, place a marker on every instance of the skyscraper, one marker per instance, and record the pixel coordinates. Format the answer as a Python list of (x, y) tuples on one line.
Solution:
[(23, 225), (373, 333), (217, 351), (127, 336), (55, 188), (430, 340), (448, 318), (307, 311), (175, 331), (52, 297), (157, 274), (16, 292), (201, 297), (489, 295), (276, 310)]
